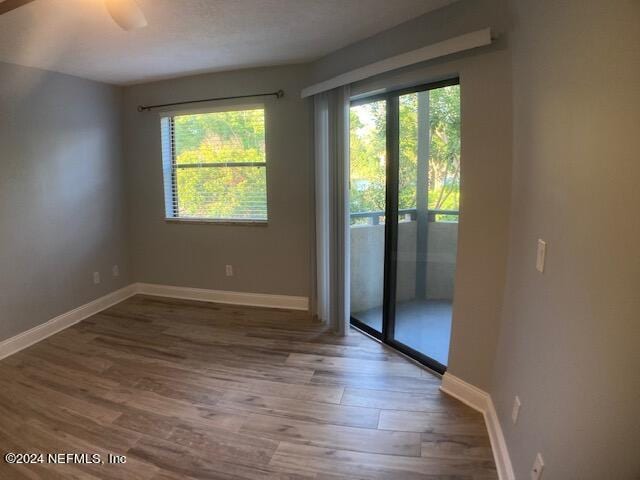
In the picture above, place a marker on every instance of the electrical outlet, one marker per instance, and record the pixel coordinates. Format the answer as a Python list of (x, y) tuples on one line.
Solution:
[(96, 278), (229, 270), (516, 409), (538, 466), (542, 253), (115, 270)]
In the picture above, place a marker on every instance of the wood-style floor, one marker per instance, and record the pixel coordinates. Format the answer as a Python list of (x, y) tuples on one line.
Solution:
[(190, 390)]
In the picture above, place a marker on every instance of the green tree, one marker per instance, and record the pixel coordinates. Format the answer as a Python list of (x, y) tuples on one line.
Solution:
[(444, 162), (368, 152), (368, 157), (214, 138)]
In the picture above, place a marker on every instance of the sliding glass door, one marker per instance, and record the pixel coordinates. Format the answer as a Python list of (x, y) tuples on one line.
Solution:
[(405, 217), (368, 157)]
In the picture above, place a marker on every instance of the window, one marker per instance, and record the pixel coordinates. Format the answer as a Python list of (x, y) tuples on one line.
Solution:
[(214, 165)]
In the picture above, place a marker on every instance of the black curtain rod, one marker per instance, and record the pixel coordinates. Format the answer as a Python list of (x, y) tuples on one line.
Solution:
[(146, 108)]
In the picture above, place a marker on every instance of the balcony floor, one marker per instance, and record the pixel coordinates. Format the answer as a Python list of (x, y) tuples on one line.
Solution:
[(424, 325)]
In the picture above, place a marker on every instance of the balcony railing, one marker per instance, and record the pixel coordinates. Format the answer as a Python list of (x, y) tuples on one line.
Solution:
[(410, 214)]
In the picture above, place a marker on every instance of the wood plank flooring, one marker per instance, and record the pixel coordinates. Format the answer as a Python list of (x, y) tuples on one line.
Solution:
[(191, 390)]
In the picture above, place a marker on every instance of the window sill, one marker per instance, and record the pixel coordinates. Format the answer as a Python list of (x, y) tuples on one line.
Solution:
[(211, 221)]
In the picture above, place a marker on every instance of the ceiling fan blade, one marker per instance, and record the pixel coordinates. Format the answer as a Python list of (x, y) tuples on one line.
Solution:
[(9, 5), (126, 13)]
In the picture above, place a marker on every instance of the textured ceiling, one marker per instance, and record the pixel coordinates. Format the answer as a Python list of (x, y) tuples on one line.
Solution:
[(191, 36)]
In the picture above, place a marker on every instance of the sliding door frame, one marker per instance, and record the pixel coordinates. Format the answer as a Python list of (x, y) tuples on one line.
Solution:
[(392, 100), (391, 219)]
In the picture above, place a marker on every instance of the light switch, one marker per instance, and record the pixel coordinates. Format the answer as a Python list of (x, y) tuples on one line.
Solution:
[(542, 252)]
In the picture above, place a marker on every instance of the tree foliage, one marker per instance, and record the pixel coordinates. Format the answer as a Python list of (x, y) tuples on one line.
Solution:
[(221, 191), (368, 152)]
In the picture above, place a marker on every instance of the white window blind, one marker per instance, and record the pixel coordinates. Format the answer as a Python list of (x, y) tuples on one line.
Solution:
[(214, 165)]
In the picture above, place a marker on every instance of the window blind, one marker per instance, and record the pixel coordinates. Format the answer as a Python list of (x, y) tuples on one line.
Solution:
[(214, 165)]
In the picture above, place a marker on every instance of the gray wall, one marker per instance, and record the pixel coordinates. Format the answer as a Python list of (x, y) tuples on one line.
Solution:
[(570, 340), (272, 259), (485, 77), (61, 196)]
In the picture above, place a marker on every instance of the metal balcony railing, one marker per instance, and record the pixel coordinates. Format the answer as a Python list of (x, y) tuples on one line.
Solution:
[(410, 213)]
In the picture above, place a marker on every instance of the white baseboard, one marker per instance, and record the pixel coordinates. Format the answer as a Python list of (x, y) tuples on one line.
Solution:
[(26, 339), (481, 401), (465, 392), (498, 443), (223, 296)]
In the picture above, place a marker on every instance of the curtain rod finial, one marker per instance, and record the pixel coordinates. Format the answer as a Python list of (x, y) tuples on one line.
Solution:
[(280, 93)]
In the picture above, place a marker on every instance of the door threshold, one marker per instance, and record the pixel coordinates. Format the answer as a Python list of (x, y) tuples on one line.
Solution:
[(395, 350)]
